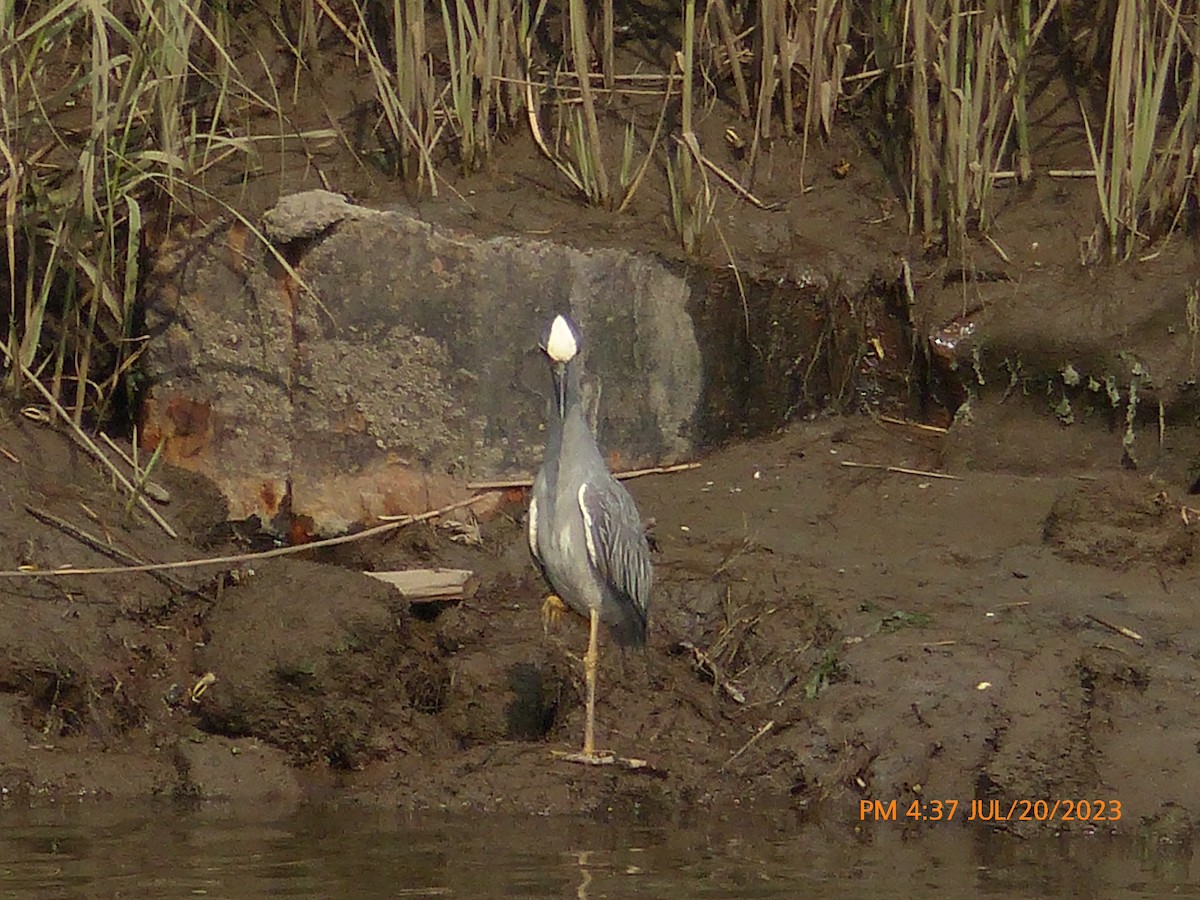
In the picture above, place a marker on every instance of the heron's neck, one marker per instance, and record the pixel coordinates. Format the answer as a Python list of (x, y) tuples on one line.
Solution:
[(572, 397), (562, 407)]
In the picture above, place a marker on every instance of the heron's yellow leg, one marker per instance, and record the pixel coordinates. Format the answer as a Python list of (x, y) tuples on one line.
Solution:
[(589, 671), (552, 612), (590, 755)]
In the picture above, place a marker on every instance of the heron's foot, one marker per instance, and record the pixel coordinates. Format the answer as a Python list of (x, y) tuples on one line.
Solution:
[(552, 612), (600, 758), (595, 758)]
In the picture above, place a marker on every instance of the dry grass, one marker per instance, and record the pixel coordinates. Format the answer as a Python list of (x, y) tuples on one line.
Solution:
[(93, 139), (967, 99), (109, 121), (1145, 166)]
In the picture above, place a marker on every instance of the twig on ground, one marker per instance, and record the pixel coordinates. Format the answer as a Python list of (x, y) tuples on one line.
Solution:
[(767, 726), (658, 470), (102, 547), (739, 551), (621, 476), (88, 444), (900, 470), (693, 146), (1116, 629), (934, 429), (607, 759), (999, 250), (392, 525), (704, 663)]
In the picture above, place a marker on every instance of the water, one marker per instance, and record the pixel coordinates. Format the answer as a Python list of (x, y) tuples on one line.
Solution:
[(92, 851)]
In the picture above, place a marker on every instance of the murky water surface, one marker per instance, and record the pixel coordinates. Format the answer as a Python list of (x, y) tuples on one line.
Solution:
[(167, 851)]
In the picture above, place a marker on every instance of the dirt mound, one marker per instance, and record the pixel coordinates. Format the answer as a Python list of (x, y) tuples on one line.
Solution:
[(1119, 523), (319, 661)]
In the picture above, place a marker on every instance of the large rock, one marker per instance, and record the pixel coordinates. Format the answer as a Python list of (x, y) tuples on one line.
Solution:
[(402, 362), (346, 362)]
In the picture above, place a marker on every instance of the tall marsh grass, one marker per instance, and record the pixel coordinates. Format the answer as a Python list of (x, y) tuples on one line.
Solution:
[(87, 151), (108, 120), (1145, 164), (111, 114), (964, 133)]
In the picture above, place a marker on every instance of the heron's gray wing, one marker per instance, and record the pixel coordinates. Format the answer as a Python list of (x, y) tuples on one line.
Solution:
[(537, 504), (616, 541)]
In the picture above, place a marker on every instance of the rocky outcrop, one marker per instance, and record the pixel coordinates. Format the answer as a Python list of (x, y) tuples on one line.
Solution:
[(342, 363)]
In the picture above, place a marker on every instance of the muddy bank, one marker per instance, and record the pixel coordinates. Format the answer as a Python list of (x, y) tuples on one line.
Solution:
[(821, 633)]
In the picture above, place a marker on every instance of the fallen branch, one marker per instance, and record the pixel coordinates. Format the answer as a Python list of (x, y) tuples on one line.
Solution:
[(103, 548), (392, 525), (620, 476), (88, 444), (900, 470)]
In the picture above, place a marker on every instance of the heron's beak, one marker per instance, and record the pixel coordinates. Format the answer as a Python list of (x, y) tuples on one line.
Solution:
[(558, 372)]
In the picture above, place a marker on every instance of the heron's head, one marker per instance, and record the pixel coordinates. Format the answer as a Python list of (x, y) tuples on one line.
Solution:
[(561, 346)]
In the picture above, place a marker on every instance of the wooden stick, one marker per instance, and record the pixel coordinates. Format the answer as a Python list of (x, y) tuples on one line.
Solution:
[(767, 726), (1117, 629), (391, 525), (1072, 173), (999, 250), (874, 73), (657, 470), (689, 141), (101, 547), (90, 445), (900, 470), (935, 429), (620, 476)]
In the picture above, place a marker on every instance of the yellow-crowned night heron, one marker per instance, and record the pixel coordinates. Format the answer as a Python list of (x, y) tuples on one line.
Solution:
[(584, 530)]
